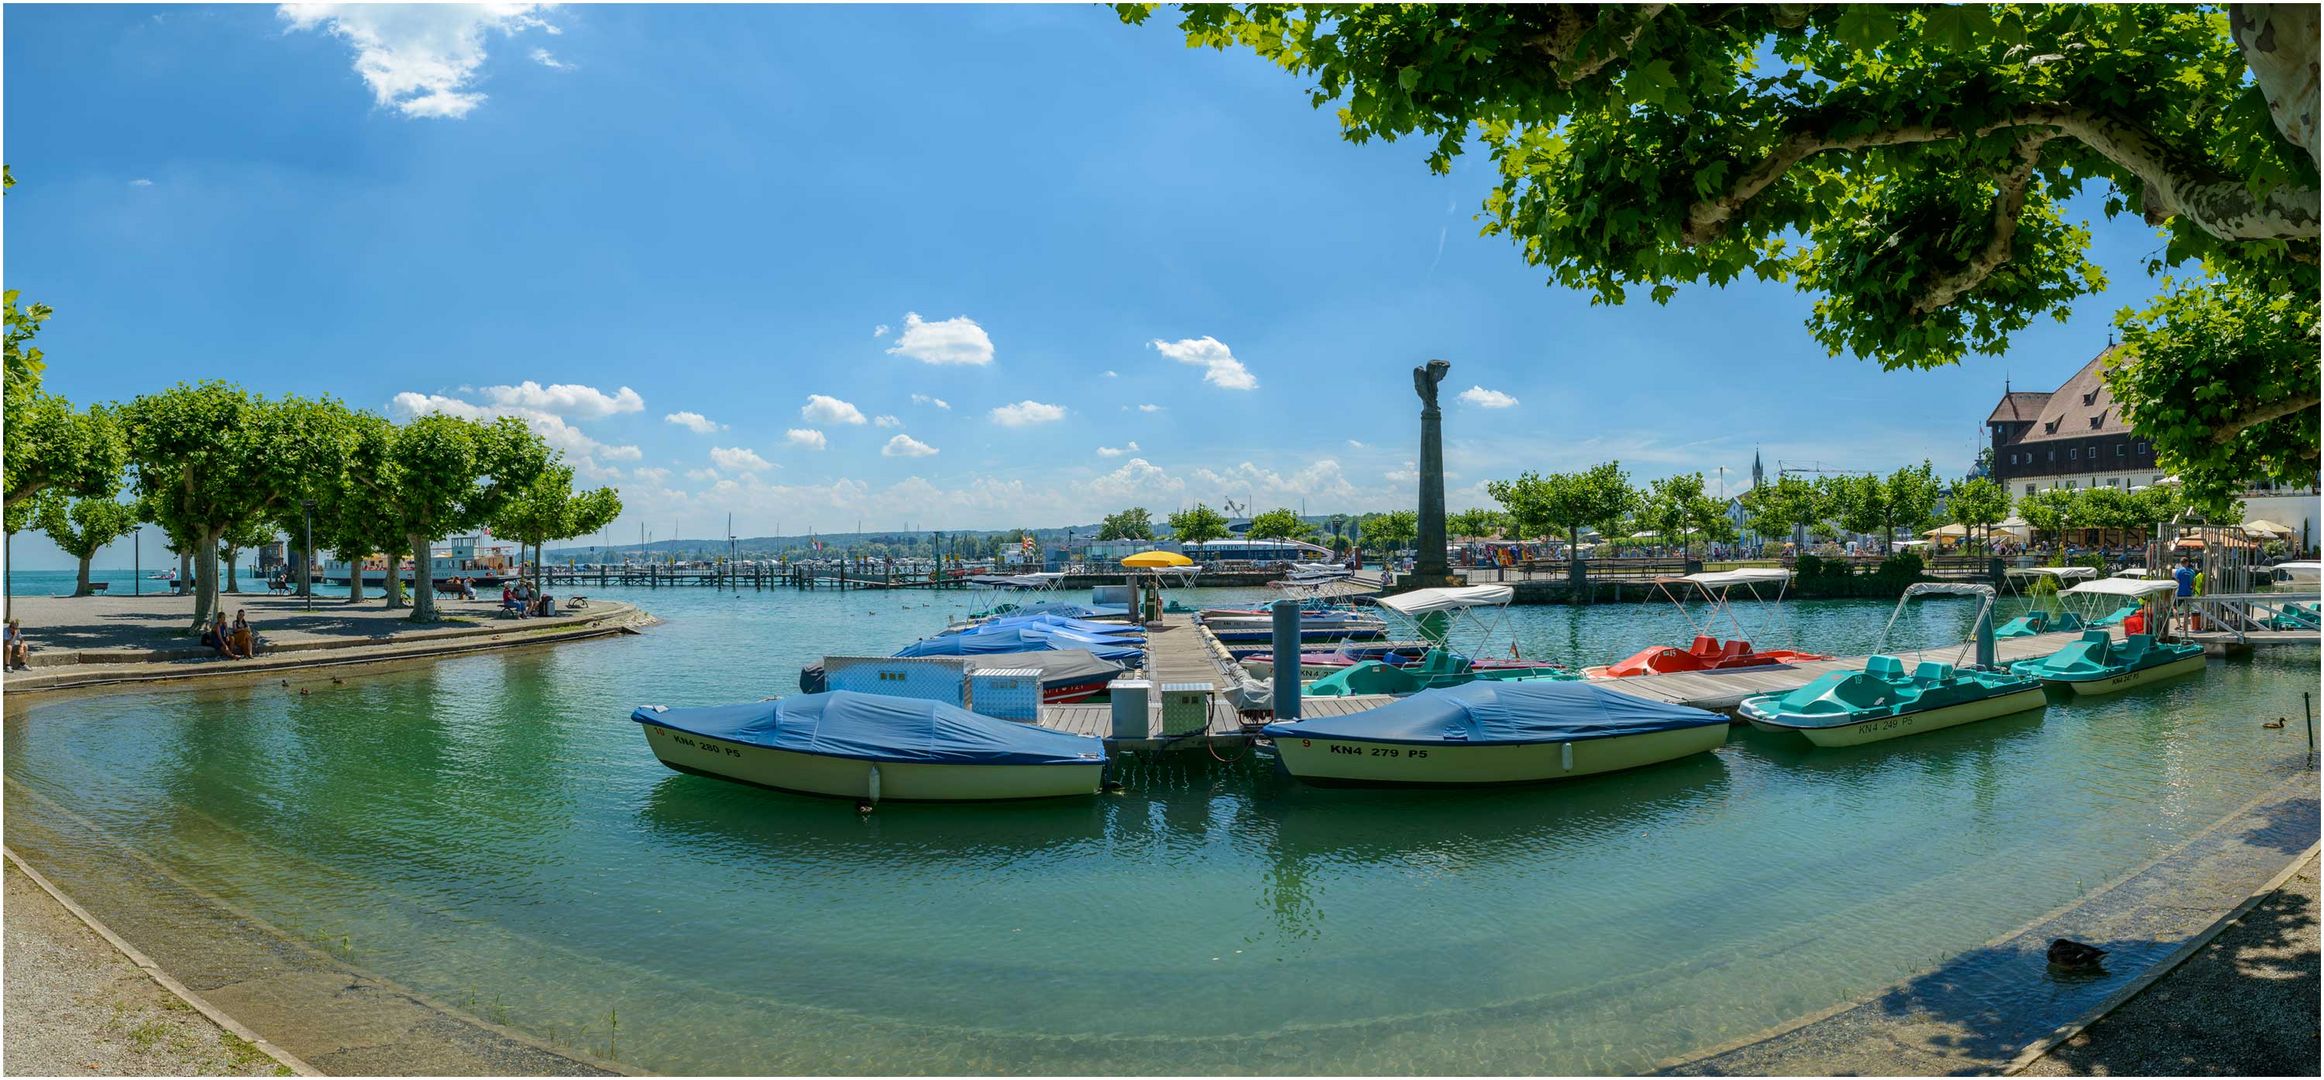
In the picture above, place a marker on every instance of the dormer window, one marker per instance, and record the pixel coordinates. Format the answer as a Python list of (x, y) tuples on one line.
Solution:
[(2097, 420), (2090, 398), (2050, 428)]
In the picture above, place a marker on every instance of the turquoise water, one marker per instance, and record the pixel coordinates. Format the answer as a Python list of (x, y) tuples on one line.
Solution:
[(493, 830)]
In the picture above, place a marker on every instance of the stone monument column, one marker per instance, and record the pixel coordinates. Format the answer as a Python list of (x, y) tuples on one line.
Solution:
[(1428, 566)]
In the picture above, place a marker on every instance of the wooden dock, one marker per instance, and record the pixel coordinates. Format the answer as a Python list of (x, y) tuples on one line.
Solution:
[(1180, 651)]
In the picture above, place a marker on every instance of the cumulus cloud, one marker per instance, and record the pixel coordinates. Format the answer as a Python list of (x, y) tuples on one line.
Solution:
[(923, 399), (737, 459), (1137, 478), (957, 340), (1320, 479), (884, 420), (652, 475), (824, 409), (565, 399), (1028, 412), (418, 59), (806, 438), (552, 428), (1117, 451), (906, 446), (1487, 399), (548, 60), (880, 331), (1220, 368), (695, 422)]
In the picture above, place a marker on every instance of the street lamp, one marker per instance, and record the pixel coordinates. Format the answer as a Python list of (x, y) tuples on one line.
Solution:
[(307, 555)]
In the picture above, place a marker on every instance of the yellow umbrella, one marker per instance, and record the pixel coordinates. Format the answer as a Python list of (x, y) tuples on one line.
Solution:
[(1147, 560)]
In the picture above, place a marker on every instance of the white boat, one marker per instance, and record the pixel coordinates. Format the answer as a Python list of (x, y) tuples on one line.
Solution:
[(2302, 573), (871, 747), (1491, 732)]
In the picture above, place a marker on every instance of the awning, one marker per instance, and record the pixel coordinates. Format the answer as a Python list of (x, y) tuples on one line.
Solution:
[(1752, 575), (2271, 528), (1424, 601), (2123, 586), (2063, 573)]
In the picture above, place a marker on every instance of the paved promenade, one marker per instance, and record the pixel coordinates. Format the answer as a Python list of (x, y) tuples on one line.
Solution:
[(97, 640)]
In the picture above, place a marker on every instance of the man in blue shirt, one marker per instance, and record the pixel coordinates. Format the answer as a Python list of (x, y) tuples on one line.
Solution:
[(2185, 576)]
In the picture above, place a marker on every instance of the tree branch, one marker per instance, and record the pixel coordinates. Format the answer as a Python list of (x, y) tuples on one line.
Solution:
[(1586, 66), (1807, 134), (1997, 250), (2274, 410), (2279, 44)]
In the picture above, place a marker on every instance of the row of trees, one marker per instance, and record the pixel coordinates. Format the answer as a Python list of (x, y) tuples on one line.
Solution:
[(1601, 498)]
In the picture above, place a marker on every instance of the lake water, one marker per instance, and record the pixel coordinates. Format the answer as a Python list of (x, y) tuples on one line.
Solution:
[(493, 831)]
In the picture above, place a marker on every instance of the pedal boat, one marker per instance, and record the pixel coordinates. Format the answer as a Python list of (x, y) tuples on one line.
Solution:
[(1492, 732), (871, 747), (2098, 664), (1707, 652), (1849, 708)]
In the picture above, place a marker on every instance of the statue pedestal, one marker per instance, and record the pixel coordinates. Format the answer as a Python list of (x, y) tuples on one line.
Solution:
[(1417, 580)]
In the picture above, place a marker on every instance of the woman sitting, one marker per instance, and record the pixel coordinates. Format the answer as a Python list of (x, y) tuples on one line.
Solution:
[(19, 650), (220, 637), (245, 642)]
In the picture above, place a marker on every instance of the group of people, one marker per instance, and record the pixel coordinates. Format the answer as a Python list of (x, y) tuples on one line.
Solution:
[(518, 597), (233, 642)]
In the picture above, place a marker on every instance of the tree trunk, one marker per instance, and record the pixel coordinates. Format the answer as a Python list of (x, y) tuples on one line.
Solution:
[(205, 578), (355, 580), (233, 573), (81, 587), (393, 583), (423, 587), (186, 568)]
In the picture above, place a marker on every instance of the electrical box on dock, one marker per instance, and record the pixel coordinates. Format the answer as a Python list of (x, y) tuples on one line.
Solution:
[(928, 678), (1130, 698), (1005, 693), (1185, 707)]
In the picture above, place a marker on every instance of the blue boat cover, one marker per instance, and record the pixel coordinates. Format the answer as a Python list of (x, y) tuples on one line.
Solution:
[(1485, 713), (1022, 639), (870, 727)]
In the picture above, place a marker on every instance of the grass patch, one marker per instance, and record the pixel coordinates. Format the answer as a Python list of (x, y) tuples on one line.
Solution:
[(143, 1037), (241, 1053)]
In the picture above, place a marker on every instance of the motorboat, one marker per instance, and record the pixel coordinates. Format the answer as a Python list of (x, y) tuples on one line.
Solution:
[(2300, 573), (1885, 701), (873, 747), (1448, 620), (1329, 624), (1067, 675), (1491, 732), (1118, 642), (1707, 652), (2097, 663)]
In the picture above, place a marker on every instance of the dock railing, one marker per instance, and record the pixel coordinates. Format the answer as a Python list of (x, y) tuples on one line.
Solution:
[(2246, 617)]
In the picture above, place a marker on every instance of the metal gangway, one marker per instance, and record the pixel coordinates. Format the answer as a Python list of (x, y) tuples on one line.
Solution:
[(2246, 619)]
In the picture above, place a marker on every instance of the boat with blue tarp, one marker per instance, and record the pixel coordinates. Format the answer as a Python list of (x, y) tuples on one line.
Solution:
[(873, 747), (1884, 700), (1491, 732)]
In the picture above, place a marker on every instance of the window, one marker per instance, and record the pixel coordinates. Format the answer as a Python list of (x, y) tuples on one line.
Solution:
[(2053, 455), (2120, 449), (2074, 454), (2097, 420), (2094, 451), (2069, 485), (2158, 478), (2029, 489), (2090, 397)]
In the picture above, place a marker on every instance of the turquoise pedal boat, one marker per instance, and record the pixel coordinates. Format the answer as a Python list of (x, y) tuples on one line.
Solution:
[(1476, 613), (1884, 701), (2098, 664)]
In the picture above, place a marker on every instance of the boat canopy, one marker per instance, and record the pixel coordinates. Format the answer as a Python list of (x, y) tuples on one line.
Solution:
[(2123, 586), (874, 727), (1423, 601), (1750, 575), (1488, 713), (1943, 588), (2062, 573)]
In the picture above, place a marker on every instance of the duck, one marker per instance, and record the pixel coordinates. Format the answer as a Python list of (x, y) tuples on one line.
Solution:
[(286, 682), (863, 808), (303, 691), (2066, 954), (2277, 722), (337, 681)]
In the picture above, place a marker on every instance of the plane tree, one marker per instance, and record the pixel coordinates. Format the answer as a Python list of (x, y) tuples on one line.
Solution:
[(549, 509), (82, 528), (1598, 497), (439, 475), (1976, 505), (1776, 508), (1197, 524), (1910, 167), (1281, 523), (1135, 523)]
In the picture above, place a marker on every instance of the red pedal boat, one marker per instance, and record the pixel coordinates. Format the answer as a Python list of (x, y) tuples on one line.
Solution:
[(1706, 654)]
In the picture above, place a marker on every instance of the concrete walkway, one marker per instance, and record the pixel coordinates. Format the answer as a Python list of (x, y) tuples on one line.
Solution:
[(80, 642), (2244, 1006)]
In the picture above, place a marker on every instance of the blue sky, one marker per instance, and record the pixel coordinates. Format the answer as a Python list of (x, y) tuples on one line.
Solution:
[(1169, 273)]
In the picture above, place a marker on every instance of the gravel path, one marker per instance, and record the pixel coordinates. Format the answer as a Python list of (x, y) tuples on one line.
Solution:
[(74, 1006), (2246, 1005)]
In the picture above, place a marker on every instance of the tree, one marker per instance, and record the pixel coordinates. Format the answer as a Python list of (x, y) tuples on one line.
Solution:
[(549, 509), (1476, 523), (439, 475), (52, 446), (1676, 507), (1978, 504), (1909, 498), (1281, 523), (1776, 508), (1856, 503), (1197, 524), (1909, 166), (1134, 523), (2048, 511), (1391, 531), (1595, 498), (243, 537), (82, 528)]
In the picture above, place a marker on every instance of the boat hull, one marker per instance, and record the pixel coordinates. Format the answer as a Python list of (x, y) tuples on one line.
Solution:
[(1882, 728), (853, 778), (2111, 684), (1374, 763)]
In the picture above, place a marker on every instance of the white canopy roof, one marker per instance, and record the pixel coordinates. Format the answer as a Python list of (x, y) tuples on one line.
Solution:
[(1750, 575), (1423, 601), (2066, 573), (2134, 572), (2123, 586)]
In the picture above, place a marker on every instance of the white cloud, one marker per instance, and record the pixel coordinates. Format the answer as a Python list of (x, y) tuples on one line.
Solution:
[(548, 60), (806, 437), (737, 459), (1149, 408), (1220, 368), (880, 331), (950, 341), (824, 409), (1113, 374), (141, 182), (906, 446), (622, 453), (1028, 412), (884, 420), (1137, 478), (701, 474), (550, 427), (565, 399), (1117, 451), (1487, 399), (1321, 479), (417, 58), (652, 475), (695, 422), (1354, 445)]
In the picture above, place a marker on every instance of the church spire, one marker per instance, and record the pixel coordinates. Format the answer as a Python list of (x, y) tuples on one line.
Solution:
[(1758, 473)]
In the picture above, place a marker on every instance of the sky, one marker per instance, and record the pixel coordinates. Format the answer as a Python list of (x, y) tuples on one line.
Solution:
[(937, 268)]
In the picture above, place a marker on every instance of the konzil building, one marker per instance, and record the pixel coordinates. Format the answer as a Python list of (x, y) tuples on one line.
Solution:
[(2071, 437)]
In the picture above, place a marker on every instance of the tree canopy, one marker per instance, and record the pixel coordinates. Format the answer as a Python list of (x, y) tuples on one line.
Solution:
[(1390, 531), (1281, 523), (1198, 523), (549, 509), (1907, 166), (82, 527), (1595, 498), (1775, 508), (1135, 523)]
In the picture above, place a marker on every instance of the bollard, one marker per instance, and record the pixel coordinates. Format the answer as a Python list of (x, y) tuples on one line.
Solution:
[(1985, 656), (1286, 658)]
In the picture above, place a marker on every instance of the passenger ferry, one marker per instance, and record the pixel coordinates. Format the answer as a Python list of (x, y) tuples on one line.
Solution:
[(477, 558)]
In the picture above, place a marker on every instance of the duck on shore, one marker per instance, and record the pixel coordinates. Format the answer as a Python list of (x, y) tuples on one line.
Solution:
[(2067, 954)]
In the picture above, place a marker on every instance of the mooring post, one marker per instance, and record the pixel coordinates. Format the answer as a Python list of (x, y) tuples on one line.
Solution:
[(1286, 658)]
